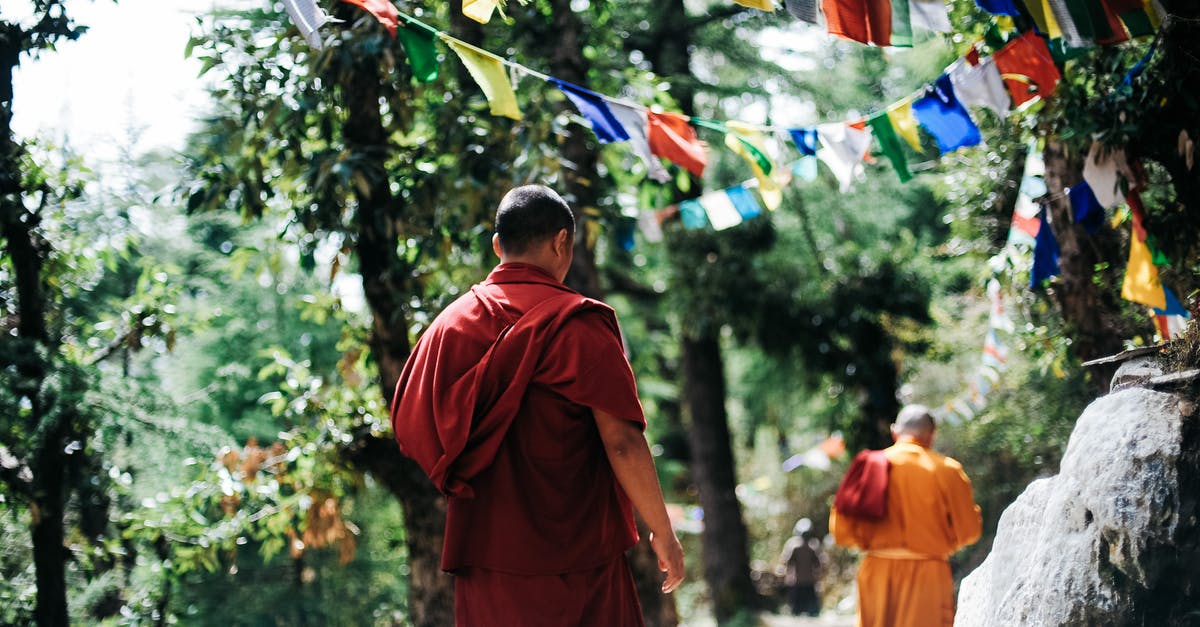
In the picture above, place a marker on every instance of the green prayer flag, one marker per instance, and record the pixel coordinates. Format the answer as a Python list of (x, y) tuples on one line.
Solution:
[(889, 144), (901, 25), (1138, 23), (421, 51), (1082, 18)]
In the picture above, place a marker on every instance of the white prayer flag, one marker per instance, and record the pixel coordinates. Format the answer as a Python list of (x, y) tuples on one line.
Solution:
[(1100, 172), (721, 212), (980, 85), (930, 15), (308, 17)]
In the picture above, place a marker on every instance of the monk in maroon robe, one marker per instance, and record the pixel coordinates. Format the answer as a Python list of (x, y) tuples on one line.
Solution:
[(520, 405)]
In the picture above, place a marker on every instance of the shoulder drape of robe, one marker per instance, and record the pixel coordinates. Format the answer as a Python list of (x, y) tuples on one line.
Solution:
[(496, 406)]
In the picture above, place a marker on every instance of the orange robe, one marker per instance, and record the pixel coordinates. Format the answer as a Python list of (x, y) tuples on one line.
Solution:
[(904, 580)]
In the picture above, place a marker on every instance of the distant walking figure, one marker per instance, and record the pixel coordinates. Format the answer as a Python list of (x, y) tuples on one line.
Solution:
[(802, 570), (520, 405), (904, 580)]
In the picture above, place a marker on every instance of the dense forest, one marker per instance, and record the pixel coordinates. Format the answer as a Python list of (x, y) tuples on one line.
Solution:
[(199, 348)]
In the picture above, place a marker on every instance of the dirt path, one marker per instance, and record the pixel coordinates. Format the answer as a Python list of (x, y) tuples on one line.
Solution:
[(828, 619)]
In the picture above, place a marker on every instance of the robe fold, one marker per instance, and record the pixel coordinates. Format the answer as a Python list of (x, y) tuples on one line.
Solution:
[(496, 405), (905, 579)]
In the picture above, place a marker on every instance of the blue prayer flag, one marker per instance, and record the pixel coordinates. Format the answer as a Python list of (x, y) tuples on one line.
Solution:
[(1045, 254), (1173, 307), (606, 126), (940, 112), (999, 7), (743, 200), (805, 140), (692, 214), (1085, 208)]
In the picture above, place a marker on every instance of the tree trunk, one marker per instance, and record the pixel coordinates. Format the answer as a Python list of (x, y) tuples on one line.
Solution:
[(1090, 319), (26, 250), (725, 540), (430, 592)]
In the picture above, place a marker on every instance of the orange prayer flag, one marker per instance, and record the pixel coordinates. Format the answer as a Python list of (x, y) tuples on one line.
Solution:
[(672, 137)]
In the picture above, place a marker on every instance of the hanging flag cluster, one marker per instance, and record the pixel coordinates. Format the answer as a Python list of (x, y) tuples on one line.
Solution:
[(1074, 23), (993, 361), (1018, 72)]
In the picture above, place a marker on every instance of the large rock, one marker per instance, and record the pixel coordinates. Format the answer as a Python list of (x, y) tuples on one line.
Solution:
[(1091, 545)]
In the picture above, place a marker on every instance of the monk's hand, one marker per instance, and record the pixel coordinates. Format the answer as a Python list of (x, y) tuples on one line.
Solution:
[(670, 558)]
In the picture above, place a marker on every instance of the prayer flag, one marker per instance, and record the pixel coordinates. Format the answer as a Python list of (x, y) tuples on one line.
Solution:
[(383, 11), (1073, 36), (479, 10), (1141, 284), (1024, 230), (488, 71), (422, 52), (1085, 209), (1027, 68), (692, 214), (999, 7), (805, 168), (902, 24), (1172, 307), (940, 112), (928, 14), (761, 5), (1045, 254), (1169, 326), (864, 21), (842, 150), (980, 85), (718, 206), (308, 17), (593, 107), (748, 142), (1135, 15), (671, 137), (1100, 172), (1043, 17), (804, 10), (651, 228), (743, 200), (805, 140), (889, 144), (635, 123), (904, 123)]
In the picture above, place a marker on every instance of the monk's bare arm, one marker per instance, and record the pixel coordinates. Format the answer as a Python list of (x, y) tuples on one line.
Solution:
[(633, 466)]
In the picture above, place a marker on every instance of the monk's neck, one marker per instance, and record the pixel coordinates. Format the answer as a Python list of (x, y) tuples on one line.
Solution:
[(911, 439)]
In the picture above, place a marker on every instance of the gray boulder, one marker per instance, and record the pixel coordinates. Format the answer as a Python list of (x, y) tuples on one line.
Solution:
[(1101, 542)]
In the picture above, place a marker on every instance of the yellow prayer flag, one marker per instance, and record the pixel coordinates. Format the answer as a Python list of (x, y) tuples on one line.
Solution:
[(488, 71), (479, 10), (736, 139), (1043, 16), (1141, 283), (905, 123), (761, 5)]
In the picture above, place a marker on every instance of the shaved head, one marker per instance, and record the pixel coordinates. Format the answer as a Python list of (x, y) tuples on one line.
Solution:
[(915, 420), (531, 214)]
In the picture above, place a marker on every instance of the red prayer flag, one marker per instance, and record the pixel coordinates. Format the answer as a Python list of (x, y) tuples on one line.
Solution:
[(1111, 7), (383, 11), (863, 491), (1026, 61), (671, 137), (865, 21)]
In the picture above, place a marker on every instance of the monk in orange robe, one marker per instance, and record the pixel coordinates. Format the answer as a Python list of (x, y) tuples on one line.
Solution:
[(520, 405), (904, 580)]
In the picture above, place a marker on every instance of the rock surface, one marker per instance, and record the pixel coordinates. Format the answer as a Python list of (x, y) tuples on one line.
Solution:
[(1091, 545)]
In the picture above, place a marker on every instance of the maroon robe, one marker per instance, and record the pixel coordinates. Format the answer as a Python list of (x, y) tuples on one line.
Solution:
[(495, 404)]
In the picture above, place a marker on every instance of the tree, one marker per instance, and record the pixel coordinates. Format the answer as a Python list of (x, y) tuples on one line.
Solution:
[(45, 386)]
